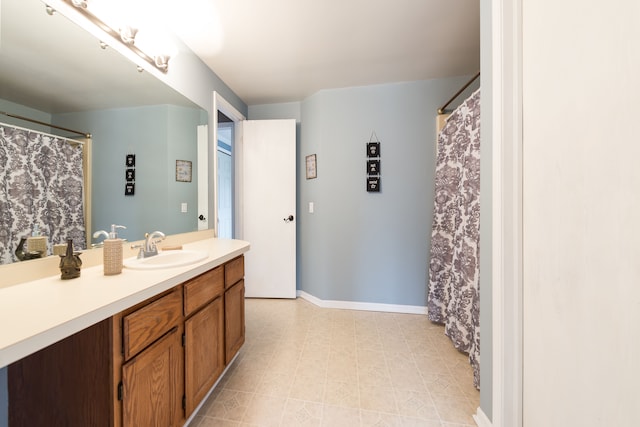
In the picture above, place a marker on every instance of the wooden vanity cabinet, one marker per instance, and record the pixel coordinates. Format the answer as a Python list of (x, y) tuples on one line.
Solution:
[(234, 307), (203, 335), (69, 383), (152, 374), (151, 390), (150, 365)]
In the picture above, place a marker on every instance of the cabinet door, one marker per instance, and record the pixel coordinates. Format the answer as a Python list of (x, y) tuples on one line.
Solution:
[(234, 319), (203, 352), (152, 385)]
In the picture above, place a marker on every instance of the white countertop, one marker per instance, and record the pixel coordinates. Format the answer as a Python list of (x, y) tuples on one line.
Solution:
[(39, 313)]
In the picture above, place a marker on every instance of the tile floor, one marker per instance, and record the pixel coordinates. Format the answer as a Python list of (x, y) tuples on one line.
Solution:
[(303, 365)]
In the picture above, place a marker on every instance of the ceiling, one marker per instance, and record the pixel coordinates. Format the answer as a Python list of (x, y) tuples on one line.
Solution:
[(265, 51), (285, 50)]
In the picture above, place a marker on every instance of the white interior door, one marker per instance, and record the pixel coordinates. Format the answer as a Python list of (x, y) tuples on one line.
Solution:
[(225, 195), (269, 207), (203, 177)]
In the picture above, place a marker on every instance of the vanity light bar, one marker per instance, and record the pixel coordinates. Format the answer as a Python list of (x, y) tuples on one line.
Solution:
[(161, 62)]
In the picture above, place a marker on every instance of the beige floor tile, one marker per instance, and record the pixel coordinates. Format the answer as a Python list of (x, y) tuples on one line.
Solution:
[(395, 344), (422, 345), (228, 405), (373, 358), (275, 384), (416, 405), (429, 365), (443, 385), (372, 375), (306, 387), (337, 416), (376, 398), (343, 354), (286, 359), (346, 343), (445, 424), (454, 410), (342, 369), (213, 422), (312, 368), (341, 393), (379, 419), (245, 379), (407, 380), (369, 341), (302, 413), (265, 411), (303, 365), (417, 422)]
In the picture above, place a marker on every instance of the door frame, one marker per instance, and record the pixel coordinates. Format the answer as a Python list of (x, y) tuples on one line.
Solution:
[(224, 106), (507, 248)]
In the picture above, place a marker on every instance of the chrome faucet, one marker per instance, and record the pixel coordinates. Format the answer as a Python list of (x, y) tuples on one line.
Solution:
[(149, 247), (98, 234)]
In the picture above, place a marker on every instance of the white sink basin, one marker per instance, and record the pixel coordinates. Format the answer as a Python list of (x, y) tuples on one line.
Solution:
[(167, 259)]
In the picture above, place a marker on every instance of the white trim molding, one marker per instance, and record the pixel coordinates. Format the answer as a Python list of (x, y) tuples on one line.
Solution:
[(507, 286), (481, 419), (363, 306), (224, 106)]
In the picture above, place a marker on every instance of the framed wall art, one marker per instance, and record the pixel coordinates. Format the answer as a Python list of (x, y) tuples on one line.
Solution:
[(311, 166), (373, 149), (183, 170)]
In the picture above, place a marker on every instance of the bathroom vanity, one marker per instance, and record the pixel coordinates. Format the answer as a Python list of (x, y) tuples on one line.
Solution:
[(149, 353)]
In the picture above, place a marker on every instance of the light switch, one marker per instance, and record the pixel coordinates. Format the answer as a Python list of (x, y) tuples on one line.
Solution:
[(310, 207), (183, 208)]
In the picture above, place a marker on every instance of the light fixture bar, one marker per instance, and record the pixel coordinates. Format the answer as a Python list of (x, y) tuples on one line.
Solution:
[(161, 62)]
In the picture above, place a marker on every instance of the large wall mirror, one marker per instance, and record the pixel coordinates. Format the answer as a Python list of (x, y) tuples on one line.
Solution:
[(53, 71)]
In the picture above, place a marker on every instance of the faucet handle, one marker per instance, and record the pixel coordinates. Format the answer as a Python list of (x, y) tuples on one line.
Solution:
[(140, 252)]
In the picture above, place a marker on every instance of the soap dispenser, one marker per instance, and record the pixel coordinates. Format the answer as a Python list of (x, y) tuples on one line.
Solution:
[(37, 242), (112, 252)]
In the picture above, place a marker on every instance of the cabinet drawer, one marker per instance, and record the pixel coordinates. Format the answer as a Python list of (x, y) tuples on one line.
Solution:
[(147, 324), (202, 289), (233, 271)]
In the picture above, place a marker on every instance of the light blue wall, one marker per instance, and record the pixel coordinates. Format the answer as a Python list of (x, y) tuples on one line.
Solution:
[(158, 136), (359, 246), (486, 213), (285, 110), (21, 110)]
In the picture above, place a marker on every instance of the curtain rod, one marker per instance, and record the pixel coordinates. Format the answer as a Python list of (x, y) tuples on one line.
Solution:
[(441, 109), (85, 134)]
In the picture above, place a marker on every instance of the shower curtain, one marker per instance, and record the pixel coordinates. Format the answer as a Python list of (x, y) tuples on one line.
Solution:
[(41, 183), (454, 276)]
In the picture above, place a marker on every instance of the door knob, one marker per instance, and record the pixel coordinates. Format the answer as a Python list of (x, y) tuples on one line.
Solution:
[(289, 218), (201, 217)]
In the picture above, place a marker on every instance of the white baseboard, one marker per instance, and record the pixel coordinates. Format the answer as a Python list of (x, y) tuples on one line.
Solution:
[(364, 306), (481, 419)]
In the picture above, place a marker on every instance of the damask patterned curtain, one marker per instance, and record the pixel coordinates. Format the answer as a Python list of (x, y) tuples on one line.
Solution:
[(454, 276), (41, 183)]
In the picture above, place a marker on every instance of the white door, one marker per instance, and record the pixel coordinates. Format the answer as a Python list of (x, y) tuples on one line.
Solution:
[(203, 177), (225, 195), (269, 207)]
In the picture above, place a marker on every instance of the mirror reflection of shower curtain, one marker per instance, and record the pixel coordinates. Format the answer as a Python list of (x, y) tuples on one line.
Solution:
[(454, 274), (41, 183)]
